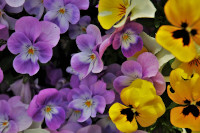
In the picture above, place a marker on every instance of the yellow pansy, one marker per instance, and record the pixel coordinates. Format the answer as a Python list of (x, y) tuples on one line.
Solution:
[(184, 90), (181, 38), (141, 104), (113, 12)]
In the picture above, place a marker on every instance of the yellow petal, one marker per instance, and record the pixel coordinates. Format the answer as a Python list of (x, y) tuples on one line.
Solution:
[(111, 11), (179, 120), (120, 120), (184, 53), (180, 11)]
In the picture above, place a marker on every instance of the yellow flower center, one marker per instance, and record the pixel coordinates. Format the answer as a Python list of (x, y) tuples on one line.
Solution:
[(62, 10), (88, 103), (31, 51), (83, 29), (5, 123), (77, 111), (42, 1), (92, 56), (48, 109), (125, 37)]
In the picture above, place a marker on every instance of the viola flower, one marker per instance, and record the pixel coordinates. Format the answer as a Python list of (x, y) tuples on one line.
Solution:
[(88, 60), (113, 11), (32, 41), (47, 104), (87, 102), (3, 36), (61, 12), (146, 67), (181, 38), (141, 104), (79, 28), (34, 7), (184, 90), (13, 121)]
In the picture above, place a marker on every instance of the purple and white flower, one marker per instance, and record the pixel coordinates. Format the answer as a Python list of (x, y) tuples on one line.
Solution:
[(32, 41)]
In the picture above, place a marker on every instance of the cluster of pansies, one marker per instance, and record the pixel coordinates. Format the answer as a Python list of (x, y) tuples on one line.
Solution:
[(99, 66)]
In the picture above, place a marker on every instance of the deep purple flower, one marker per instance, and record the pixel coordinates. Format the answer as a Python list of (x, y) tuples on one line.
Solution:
[(3, 36), (88, 60), (32, 41), (61, 12), (48, 104), (127, 37), (80, 27), (13, 116), (146, 67), (34, 7)]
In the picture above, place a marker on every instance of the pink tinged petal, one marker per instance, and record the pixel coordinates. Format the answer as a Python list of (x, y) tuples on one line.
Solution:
[(90, 129), (1, 75), (21, 118), (94, 31), (149, 64), (121, 82), (100, 103), (74, 81), (84, 21), (12, 128), (44, 50), (25, 66), (2, 47), (34, 7), (81, 4), (30, 26), (131, 47), (136, 27), (50, 33), (15, 3), (17, 41), (57, 119), (98, 64), (116, 41), (104, 45), (53, 4), (4, 32), (132, 69), (72, 13), (86, 43), (159, 83)]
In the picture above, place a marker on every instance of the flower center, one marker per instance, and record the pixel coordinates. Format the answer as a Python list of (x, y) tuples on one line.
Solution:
[(62, 10), (77, 111), (92, 56), (130, 113), (83, 29), (5, 123), (31, 50), (125, 36), (88, 103), (48, 109)]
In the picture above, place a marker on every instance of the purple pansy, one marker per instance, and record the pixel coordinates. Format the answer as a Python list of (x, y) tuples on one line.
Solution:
[(13, 121), (80, 27), (48, 104), (127, 37), (32, 41), (146, 67), (3, 36), (61, 12), (34, 7), (88, 60)]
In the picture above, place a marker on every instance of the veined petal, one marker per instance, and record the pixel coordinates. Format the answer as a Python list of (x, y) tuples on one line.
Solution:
[(98, 64)]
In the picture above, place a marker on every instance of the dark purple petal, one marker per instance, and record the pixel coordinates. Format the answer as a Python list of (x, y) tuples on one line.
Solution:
[(74, 81), (136, 27), (98, 64), (10, 21), (30, 26), (100, 103), (132, 69), (94, 31), (57, 119), (90, 129), (84, 21), (122, 82), (2, 4), (149, 64), (89, 80), (25, 66), (74, 31), (53, 4), (130, 49), (17, 41), (81, 4), (44, 51), (117, 41), (72, 13), (159, 83), (86, 43), (50, 33)]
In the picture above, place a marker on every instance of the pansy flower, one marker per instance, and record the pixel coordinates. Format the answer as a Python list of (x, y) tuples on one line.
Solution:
[(141, 104), (184, 90), (32, 41), (181, 38), (117, 11)]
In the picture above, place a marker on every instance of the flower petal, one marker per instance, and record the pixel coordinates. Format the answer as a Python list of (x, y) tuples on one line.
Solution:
[(86, 42), (159, 83), (121, 82), (81, 4), (53, 4), (98, 64), (15, 3), (94, 31), (100, 103), (73, 13)]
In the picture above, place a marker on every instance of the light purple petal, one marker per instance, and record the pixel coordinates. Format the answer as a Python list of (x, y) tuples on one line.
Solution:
[(10, 21), (16, 102), (85, 114), (159, 83), (76, 104), (15, 3), (84, 21), (12, 128), (94, 31), (130, 48), (48, 95), (132, 69), (1, 75), (98, 64), (57, 119), (89, 80), (13, 9), (90, 129), (81, 4), (99, 88), (25, 66), (34, 7), (121, 82), (53, 4), (109, 96), (17, 41), (72, 13), (100, 103), (71, 126), (30, 26), (2, 47), (149, 64), (4, 32), (5, 108), (4, 21), (44, 51), (86, 42)]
